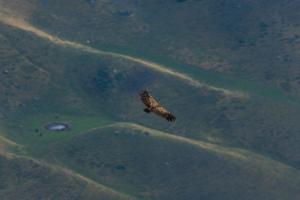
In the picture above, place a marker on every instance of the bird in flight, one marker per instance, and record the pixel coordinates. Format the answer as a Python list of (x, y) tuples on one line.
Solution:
[(153, 106)]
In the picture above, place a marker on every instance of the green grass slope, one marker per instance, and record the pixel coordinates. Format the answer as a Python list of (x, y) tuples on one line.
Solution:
[(25, 178), (152, 164), (254, 40)]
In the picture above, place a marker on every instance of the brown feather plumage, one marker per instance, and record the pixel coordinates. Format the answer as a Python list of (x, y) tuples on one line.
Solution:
[(153, 106)]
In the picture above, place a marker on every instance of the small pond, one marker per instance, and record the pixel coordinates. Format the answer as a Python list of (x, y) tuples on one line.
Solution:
[(57, 126)]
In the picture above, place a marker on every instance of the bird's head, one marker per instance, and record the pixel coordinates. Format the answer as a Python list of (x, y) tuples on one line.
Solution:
[(144, 93)]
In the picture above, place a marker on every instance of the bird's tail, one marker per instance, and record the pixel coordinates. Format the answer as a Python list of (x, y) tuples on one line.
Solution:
[(170, 117)]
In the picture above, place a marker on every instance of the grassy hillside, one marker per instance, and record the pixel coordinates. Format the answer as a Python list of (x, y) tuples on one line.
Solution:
[(254, 40), (24, 178), (84, 63), (152, 164)]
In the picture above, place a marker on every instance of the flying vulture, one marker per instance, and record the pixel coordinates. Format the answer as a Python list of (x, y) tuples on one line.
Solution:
[(153, 106)]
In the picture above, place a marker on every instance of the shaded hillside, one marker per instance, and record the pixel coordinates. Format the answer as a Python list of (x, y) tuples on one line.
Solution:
[(255, 40), (158, 165), (24, 178)]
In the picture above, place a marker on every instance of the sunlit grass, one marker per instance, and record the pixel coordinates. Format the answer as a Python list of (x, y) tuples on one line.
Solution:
[(36, 137)]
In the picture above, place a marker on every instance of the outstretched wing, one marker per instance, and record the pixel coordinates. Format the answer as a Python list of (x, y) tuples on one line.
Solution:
[(164, 113), (148, 100), (155, 107)]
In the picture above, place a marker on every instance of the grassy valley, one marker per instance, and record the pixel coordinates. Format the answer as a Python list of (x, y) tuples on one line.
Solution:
[(85, 62)]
